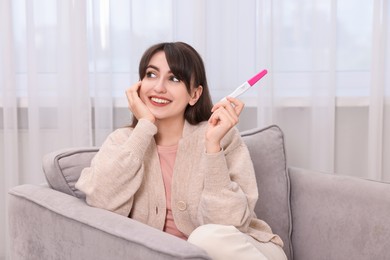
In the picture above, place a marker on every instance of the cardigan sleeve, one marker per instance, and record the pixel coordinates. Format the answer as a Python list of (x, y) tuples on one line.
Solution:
[(229, 189), (116, 171)]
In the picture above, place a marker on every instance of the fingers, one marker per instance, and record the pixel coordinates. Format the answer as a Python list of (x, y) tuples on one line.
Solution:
[(238, 105), (223, 116), (232, 105), (136, 105), (132, 93)]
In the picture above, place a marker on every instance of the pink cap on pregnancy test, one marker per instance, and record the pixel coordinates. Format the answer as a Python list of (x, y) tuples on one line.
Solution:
[(257, 77)]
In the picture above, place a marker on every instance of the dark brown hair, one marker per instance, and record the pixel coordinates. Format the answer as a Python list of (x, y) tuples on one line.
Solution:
[(187, 65)]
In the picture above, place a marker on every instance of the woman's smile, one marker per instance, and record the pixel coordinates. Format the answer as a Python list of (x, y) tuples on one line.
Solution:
[(159, 101)]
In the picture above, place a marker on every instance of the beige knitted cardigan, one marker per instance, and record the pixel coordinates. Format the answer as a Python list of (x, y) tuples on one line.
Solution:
[(125, 177)]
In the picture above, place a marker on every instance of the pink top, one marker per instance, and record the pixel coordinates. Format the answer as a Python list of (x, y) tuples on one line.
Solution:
[(167, 156)]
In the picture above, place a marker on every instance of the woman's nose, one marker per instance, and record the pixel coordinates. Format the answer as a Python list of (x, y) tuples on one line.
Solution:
[(160, 86)]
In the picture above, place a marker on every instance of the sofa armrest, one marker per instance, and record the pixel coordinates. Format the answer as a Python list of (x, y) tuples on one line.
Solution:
[(47, 224), (339, 217)]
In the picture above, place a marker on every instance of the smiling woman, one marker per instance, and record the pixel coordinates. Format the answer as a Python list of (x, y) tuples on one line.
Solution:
[(64, 66), (179, 170)]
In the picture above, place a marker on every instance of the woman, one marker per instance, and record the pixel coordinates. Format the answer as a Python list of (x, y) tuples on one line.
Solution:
[(181, 166)]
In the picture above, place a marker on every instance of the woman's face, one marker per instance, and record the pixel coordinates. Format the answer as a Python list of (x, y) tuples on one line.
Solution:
[(164, 94)]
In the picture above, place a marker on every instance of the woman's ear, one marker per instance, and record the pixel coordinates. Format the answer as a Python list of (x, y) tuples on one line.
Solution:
[(195, 95)]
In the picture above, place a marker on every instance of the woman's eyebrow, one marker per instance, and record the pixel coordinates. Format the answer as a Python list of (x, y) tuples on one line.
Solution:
[(153, 67)]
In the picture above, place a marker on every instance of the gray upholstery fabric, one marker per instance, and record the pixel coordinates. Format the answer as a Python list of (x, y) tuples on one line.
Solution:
[(331, 217), (48, 224), (267, 150), (339, 217), (62, 168)]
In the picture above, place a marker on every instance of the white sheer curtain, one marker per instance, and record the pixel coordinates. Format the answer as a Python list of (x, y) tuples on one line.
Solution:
[(329, 90), (44, 97), (64, 67)]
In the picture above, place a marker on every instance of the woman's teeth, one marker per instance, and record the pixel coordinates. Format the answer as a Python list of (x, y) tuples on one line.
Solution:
[(160, 101)]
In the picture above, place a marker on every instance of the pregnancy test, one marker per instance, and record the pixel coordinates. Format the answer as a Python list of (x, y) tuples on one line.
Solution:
[(247, 84)]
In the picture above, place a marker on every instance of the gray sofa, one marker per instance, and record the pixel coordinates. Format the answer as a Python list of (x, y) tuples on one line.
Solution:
[(318, 216)]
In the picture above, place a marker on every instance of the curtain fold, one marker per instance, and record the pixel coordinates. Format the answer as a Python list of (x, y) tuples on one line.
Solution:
[(45, 100), (386, 113), (10, 164), (74, 110), (101, 80), (323, 76), (377, 90)]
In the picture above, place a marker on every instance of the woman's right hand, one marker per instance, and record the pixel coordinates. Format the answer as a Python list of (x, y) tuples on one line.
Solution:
[(136, 106)]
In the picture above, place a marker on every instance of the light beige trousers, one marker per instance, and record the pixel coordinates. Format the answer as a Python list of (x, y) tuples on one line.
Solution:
[(228, 243)]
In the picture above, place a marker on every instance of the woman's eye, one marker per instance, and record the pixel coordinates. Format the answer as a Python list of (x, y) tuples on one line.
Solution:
[(150, 74), (175, 79)]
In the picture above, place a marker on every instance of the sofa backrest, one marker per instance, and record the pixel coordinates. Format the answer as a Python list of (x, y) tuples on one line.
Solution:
[(266, 146), (267, 150)]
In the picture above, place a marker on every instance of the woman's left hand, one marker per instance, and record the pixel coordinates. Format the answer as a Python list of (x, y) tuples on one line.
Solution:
[(224, 117)]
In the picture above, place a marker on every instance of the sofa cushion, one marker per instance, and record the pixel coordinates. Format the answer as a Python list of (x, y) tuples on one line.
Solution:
[(63, 168), (267, 150)]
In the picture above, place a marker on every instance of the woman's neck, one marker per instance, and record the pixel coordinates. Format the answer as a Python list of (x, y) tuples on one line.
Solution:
[(169, 133)]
